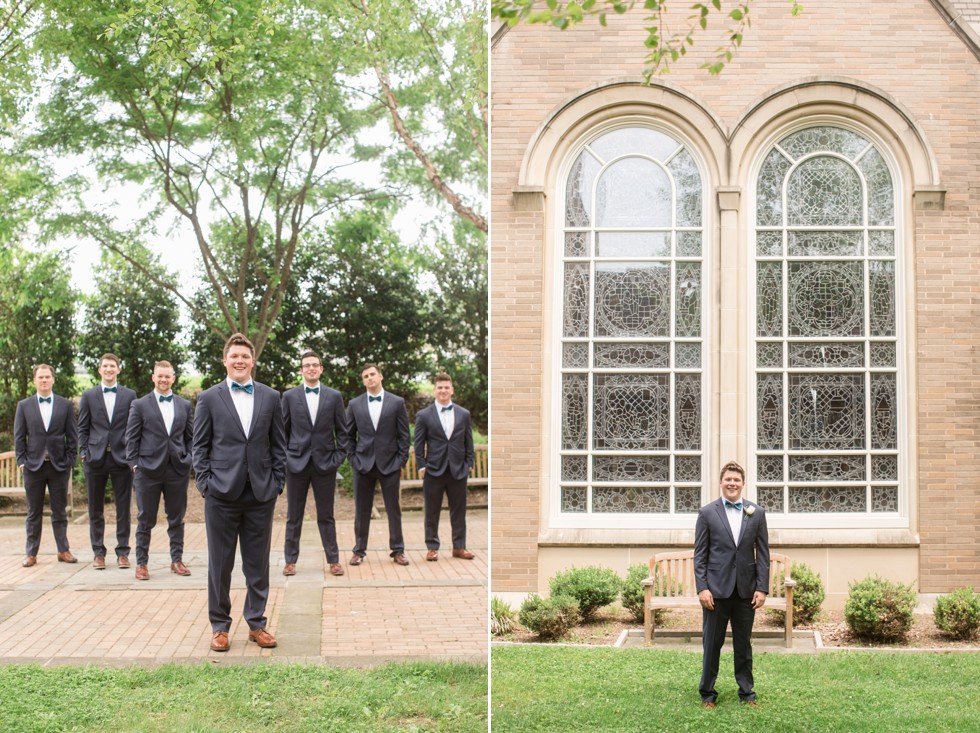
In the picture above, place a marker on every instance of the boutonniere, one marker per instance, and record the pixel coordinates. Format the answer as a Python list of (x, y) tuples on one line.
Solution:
[(749, 510)]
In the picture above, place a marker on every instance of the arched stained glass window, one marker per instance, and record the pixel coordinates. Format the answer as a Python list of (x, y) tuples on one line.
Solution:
[(632, 335), (826, 336)]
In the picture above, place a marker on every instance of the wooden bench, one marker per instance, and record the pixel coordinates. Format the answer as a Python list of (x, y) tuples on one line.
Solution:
[(12, 479), (671, 585), (479, 475)]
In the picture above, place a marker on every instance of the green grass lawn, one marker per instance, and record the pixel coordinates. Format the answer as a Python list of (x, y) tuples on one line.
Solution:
[(548, 688), (250, 697)]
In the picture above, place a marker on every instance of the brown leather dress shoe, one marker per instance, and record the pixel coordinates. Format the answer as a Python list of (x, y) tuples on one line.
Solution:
[(66, 556), (432, 556), (29, 561), (356, 559), (179, 568), (98, 562), (142, 573), (463, 554), (289, 569), (262, 637), (399, 559), (123, 562), (219, 641), (336, 569), (708, 705)]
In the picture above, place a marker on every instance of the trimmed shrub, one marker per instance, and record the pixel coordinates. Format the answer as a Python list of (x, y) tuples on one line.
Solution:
[(879, 610), (593, 587), (807, 595), (957, 615), (633, 596), (501, 617), (549, 618)]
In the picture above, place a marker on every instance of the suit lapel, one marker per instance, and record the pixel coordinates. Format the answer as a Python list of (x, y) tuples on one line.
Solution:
[(256, 406), (720, 508), (224, 394)]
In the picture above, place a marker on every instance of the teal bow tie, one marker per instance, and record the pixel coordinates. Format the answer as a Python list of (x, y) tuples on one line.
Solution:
[(167, 398), (247, 388), (314, 390), (447, 408), (736, 505), (44, 399), (374, 399), (108, 389)]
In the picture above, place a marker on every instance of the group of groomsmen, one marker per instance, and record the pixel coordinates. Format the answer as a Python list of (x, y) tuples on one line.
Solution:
[(246, 443)]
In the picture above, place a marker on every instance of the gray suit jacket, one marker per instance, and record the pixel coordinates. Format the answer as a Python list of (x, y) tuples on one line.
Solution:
[(224, 458), (149, 447), (387, 447), (720, 565), (435, 452), (95, 431), (326, 443), (32, 441)]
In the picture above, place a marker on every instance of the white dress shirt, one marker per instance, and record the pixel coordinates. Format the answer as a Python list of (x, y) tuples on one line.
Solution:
[(312, 401), (244, 403), (374, 408), (110, 399), (166, 409), (46, 408), (735, 520), (447, 418)]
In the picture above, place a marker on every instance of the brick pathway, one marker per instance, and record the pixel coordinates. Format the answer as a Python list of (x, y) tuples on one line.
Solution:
[(55, 613)]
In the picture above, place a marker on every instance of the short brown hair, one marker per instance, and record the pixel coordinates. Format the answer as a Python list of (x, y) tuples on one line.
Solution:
[(732, 466), (237, 339), (442, 377), (307, 354), (44, 366), (370, 365), (162, 364), (110, 357)]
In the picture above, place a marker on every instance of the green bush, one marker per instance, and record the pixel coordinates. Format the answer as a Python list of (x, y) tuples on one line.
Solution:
[(501, 617), (957, 615), (633, 593), (879, 610), (549, 618), (593, 587), (807, 595)]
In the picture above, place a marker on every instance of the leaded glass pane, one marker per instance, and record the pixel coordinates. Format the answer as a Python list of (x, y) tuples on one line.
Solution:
[(824, 191), (769, 244), (812, 499), (687, 412), (826, 412), (826, 299), (881, 244), (825, 244), (881, 196), (771, 498), (884, 498), (574, 468), (769, 299), (630, 468), (687, 356), (688, 244), (823, 138), (827, 468), (574, 499), (769, 355), (687, 469), (574, 412), (882, 354), (636, 141), (687, 309), (769, 190), (884, 412), (632, 244), (634, 192), (770, 417), (576, 306), (623, 356), (575, 356), (882, 291), (770, 468), (688, 182), (578, 191), (687, 500), (884, 468), (630, 500), (828, 355), (576, 244), (631, 412), (632, 299)]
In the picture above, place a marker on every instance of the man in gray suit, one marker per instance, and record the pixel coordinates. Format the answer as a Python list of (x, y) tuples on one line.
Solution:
[(444, 455), (102, 415), (316, 445), (731, 572), (46, 446), (379, 443), (158, 448), (240, 464)]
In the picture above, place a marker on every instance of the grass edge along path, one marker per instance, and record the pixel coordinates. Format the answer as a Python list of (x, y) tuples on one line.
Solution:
[(541, 688), (422, 696)]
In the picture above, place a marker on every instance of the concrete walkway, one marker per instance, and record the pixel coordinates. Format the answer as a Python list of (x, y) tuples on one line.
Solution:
[(56, 613)]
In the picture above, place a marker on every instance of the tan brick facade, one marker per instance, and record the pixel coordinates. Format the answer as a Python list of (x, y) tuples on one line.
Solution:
[(901, 69)]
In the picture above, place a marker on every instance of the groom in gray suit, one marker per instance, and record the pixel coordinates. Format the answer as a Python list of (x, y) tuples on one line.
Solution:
[(377, 422), (240, 466), (316, 445), (731, 572)]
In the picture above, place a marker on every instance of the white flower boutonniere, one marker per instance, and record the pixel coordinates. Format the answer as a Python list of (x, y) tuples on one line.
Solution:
[(749, 510)]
